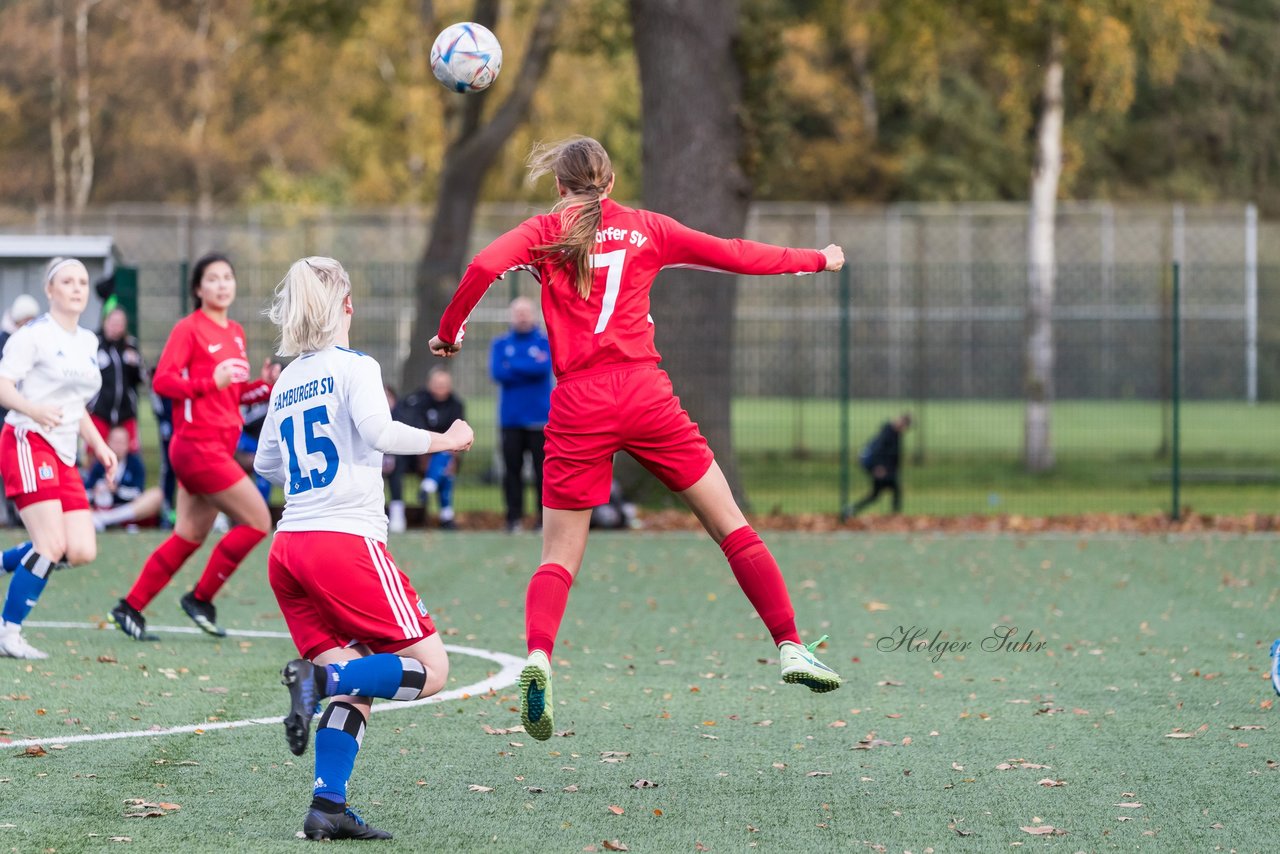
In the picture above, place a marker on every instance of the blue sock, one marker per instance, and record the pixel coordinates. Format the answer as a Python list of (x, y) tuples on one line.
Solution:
[(26, 586), (384, 675), (338, 737), (12, 557), (446, 492)]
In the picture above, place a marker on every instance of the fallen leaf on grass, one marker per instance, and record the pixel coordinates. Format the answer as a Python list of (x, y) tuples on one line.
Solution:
[(613, 755), (488, 730), (837, 724), (874, 606), (474, 788), (818, 774), (107, 659), (1050, 783), (1044, 830), (33, 750), (1132, 805), (614, 845), (1178, 734), (616, 810), (889, 683), (644, 784), (869, 743), (1249, 726), (570, 789), (122, 839), (564, 733), (1014, 764), (956, 766), (698, 846)]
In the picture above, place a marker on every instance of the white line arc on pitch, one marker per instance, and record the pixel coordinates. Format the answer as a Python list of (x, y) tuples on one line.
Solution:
[(507, 676)]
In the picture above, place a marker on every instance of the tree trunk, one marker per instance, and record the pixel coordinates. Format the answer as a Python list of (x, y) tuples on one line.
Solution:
[(82, 157), (692, 145), (203, 107), (57, 135), (470, 154), (1041, 264)]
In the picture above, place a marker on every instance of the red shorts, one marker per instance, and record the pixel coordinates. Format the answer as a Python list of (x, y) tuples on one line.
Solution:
[(628, 408), (131, 425), (33, 471), (206, 463), (338, 589)]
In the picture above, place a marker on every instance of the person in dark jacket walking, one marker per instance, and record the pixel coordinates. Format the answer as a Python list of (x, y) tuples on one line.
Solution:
[(433, 408), (123, 370), (520, 363), (882, 458)]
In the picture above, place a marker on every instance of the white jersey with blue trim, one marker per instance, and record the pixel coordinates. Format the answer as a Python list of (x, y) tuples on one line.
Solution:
[(311, 443), (53, 366)]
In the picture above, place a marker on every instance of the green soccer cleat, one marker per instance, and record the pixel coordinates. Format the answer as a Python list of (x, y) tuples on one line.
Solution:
[(535, 696), (800, 667)]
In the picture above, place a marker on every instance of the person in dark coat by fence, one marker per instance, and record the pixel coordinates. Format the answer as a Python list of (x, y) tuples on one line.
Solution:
[(882, 460)]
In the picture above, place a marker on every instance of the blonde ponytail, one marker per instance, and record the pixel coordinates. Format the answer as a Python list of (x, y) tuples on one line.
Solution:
[(307, 306), (584, 171)]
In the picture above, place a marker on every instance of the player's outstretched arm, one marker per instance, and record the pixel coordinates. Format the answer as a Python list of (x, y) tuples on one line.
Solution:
[(687, 247)]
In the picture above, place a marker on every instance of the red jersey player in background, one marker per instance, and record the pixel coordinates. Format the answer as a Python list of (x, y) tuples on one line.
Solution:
[(204, 370), (596, 261)]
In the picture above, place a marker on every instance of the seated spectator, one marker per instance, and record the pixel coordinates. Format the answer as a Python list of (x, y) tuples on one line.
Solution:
[(126, 500), (434, 408)]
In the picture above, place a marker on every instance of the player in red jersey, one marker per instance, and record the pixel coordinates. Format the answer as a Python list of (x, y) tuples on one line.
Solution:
[(596, 261), (204, 370)]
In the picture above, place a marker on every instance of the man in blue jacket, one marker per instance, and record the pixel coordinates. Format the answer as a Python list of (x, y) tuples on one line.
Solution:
[(520, 362)]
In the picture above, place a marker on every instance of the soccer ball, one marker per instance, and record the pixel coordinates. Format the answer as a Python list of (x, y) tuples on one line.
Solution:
[(466, 57)]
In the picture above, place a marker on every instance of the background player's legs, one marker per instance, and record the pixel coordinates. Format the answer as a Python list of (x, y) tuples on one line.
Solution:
[(244, 506), (894, 485), (49, 542), (753, 565), (149, 503), (877, 486), (195, 520)]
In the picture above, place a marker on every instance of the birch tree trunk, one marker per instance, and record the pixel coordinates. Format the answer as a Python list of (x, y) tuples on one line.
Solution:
[(57, 134), (1041, 264), (82, 156), (198, 134)]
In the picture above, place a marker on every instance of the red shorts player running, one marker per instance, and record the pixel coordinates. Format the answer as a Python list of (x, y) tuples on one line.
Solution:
[(355, 618), (596, 261), (204, 370)]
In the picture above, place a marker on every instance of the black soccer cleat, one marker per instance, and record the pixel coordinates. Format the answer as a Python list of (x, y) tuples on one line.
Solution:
[(340, 825), (299, 676), (130, 621), (203, 614)]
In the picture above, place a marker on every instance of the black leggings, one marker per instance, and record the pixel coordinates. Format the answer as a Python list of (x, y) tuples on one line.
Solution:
[(879, 485), (515, 442)]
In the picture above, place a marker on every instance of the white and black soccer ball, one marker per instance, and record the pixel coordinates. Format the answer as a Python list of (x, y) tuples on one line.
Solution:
[(466, 57)]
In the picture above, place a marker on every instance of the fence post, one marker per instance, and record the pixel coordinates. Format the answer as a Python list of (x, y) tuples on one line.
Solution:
[(1175, 471), (183, 272), (846, 291)]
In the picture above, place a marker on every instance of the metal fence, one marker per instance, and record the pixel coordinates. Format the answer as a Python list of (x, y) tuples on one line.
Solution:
[(930, 318)]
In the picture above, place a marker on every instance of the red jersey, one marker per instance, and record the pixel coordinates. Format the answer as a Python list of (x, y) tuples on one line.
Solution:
[(613, 324), (196, 347)]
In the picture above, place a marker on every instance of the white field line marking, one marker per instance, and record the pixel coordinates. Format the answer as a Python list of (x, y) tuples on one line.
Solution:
[(507, 676)]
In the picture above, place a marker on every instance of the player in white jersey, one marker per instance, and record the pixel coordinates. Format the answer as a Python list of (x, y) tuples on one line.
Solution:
[(48, 373), (359, 626)]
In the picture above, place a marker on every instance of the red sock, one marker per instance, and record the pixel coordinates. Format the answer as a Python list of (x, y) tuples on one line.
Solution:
[(159, 568), (759, 577), (234, 547), (544, 605)]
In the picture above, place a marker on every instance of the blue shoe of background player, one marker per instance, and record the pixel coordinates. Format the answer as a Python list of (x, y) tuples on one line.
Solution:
[(1275, 665)]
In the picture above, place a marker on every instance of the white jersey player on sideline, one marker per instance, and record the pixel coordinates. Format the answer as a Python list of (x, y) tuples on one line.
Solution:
[(359, 626)]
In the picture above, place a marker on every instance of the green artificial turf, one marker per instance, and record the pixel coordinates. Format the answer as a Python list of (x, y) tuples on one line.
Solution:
[(661, 659)]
